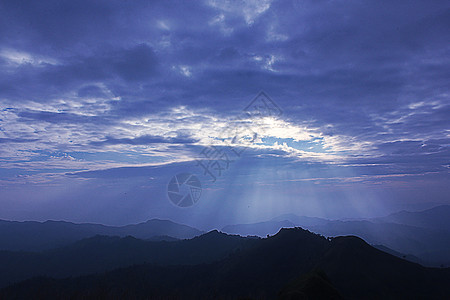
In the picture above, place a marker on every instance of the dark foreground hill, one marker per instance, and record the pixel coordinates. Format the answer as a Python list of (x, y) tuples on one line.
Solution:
[(293, 264), (104, 253)]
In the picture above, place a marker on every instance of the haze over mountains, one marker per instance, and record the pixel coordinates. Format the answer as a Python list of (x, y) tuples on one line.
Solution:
[(435, 218), (421, 236), (160, 258), (292, 264), (424, 234), (36, 236)]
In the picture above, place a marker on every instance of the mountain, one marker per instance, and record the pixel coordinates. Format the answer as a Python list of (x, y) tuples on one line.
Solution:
[(258, 229), (313, 285), (156, 227), (422, 245), (38, 236), (301, 221), (102, 253), (434, 218), (159, 238), (431, 246), (408, 257), (360, 271), (292, 264), (274, 225), (422, 236)]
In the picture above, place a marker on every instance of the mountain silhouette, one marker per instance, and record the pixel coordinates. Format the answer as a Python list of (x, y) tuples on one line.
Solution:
[(292, 264), (37, 236), (258, 229), (314, 285), (408, 257), (102, 253), (435, 218), (301, 221), (419, 236), (431, 246)]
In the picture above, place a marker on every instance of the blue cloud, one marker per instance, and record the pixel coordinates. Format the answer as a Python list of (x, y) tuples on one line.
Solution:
[(114, 84)]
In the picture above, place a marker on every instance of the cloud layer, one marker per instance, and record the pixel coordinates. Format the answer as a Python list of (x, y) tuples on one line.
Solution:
[(88, 86)]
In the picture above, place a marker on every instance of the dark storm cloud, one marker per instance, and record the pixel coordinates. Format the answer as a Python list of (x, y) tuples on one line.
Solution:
[(133, 64), (42, 81), (341, 55), (336, 63)]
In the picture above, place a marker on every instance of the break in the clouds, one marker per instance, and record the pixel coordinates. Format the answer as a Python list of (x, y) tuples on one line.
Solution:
[(92, 87)]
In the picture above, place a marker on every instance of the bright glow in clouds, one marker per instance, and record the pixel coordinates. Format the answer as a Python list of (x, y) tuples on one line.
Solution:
[(249, 9), (19, 58)]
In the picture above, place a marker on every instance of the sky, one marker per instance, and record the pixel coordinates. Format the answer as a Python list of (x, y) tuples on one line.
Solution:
[(335, 109)]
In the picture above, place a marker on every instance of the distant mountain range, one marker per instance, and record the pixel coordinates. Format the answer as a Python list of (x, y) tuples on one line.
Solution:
[(38, 236), (163, 259), (258, 229), (421, 235), (431, 246), (293, 264), (435, 218)]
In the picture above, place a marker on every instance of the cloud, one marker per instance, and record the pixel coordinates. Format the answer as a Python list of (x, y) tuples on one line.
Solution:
[(19, 140), (363, 87), (144, 140), (249, 9)]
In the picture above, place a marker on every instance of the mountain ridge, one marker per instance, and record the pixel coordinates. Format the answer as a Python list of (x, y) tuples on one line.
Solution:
[(103, 253), (38, 236), (263, 270), (431, 244)]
